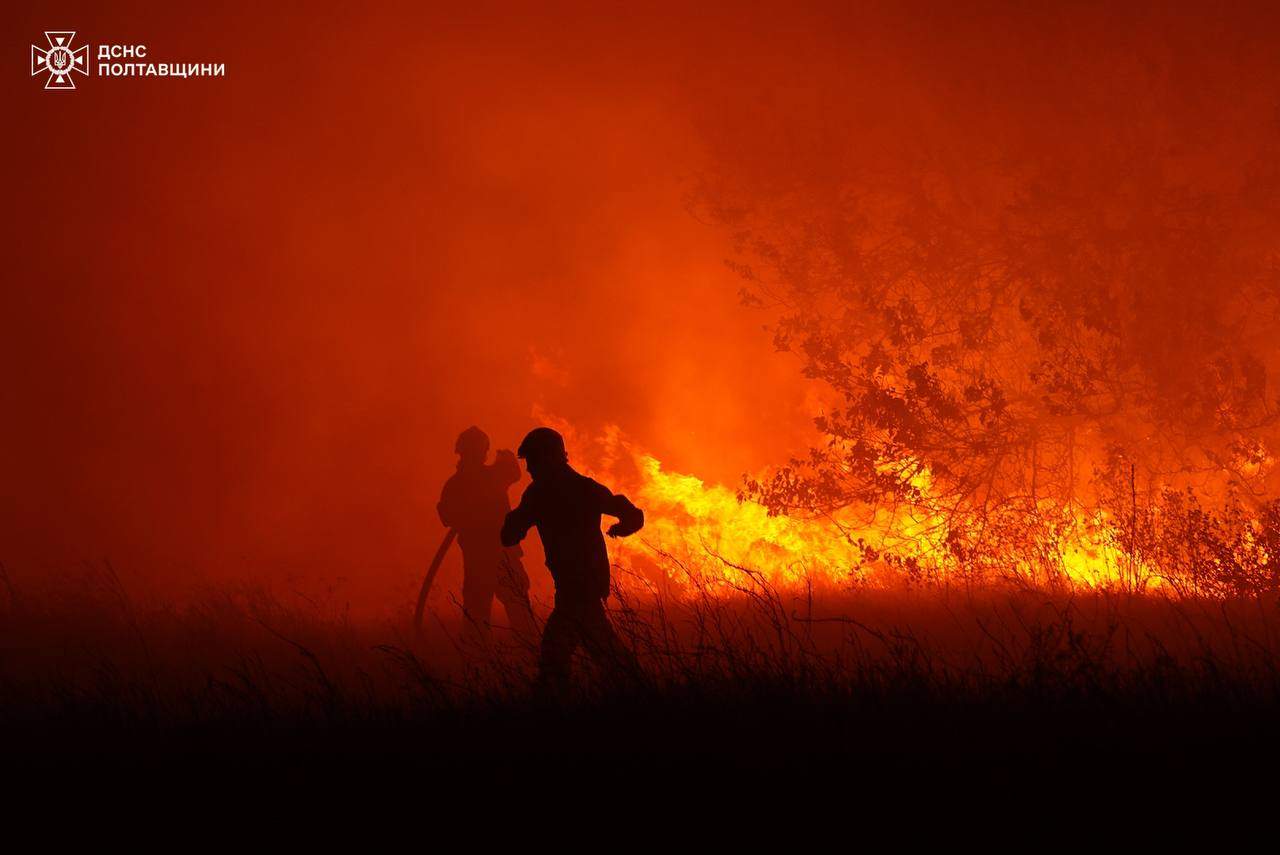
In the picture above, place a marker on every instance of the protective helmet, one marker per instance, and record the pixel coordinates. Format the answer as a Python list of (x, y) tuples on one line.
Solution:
[(543, 444), (472, 442)]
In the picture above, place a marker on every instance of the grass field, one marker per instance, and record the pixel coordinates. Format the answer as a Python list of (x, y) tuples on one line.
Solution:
[(890, 684)]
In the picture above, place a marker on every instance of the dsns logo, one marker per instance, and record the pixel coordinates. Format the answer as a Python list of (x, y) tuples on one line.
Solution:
[(59, 60)]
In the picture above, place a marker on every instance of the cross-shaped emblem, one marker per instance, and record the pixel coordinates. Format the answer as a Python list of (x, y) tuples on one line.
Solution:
[(59, 60)]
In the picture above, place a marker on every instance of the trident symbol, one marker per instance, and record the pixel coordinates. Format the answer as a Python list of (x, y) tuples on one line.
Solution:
[(59, 60)]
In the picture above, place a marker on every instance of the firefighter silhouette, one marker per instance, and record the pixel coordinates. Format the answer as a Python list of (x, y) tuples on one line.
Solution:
[(473, 503), (566, 507)]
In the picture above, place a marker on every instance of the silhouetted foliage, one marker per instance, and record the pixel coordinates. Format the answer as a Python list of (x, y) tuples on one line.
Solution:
[(1017, 331)]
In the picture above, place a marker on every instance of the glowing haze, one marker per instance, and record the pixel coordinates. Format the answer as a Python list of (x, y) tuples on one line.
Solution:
[(246, 317)]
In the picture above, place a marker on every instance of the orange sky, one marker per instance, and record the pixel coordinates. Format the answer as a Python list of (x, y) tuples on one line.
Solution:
[(246, 317)]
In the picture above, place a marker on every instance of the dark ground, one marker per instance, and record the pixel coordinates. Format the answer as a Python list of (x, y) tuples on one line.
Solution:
[(914, 702)]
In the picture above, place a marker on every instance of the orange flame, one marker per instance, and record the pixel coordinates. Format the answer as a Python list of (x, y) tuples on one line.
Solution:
[(706, 535)]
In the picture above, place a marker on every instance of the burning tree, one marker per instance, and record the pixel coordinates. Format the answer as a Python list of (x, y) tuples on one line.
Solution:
[(1040, 347)]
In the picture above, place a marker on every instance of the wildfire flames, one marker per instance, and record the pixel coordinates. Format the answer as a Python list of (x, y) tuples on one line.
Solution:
[(712, 538)]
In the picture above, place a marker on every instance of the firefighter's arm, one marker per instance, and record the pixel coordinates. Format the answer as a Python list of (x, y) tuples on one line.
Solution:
[(630, 518), (445, 507), (506, 466), (517, 523)]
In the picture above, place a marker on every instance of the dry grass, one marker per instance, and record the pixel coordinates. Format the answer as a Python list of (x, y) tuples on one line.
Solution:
[(899, 680)]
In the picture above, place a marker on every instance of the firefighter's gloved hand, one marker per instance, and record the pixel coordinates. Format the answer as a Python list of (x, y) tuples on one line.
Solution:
[(616, 530)]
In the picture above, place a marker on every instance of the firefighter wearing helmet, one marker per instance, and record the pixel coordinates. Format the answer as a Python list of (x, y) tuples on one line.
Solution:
[(474, 503), (566, 508)]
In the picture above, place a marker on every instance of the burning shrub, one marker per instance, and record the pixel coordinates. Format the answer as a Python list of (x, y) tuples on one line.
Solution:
[(998, 314)]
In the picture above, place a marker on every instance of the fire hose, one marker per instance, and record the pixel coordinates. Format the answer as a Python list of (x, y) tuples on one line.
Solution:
[(432, 569)]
